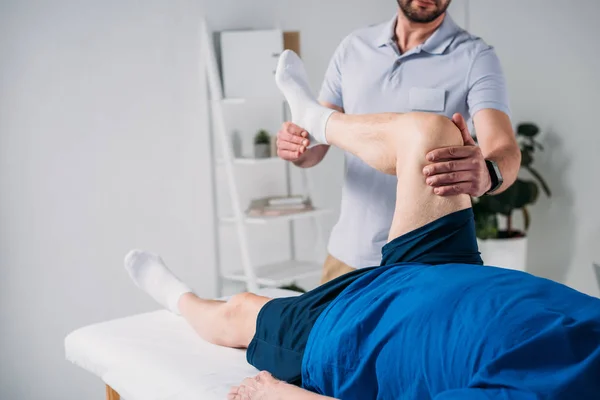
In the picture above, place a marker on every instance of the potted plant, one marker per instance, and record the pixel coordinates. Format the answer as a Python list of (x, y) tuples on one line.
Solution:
[(508, 248), (262, 144)]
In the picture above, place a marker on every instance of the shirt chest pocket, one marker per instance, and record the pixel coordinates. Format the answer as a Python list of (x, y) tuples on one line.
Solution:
[(427, 99)]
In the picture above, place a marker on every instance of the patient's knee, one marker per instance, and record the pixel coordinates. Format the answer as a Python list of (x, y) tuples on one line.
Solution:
[(243, 306), (230, 322), (435, 131), (237, 302)]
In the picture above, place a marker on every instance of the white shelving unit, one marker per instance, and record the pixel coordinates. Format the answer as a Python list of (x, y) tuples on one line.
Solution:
[(279, 274), (280, 218), (253, 161), (252, 275)]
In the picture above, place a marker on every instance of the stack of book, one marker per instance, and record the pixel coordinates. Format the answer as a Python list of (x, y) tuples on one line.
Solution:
[(276, 206)]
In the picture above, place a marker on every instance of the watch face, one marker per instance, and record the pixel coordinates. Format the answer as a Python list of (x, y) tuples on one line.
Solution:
[(497, 171), (495, 175)]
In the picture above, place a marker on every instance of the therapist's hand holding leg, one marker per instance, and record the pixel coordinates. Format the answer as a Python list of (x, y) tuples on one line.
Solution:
[(458, 170), (292, 142), (292, 145)]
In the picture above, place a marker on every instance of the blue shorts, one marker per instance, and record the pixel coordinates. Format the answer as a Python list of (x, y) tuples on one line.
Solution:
[(283, 325)]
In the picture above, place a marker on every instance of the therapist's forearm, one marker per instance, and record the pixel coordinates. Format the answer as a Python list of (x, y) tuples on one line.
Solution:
[(498, 143), (508, 158)]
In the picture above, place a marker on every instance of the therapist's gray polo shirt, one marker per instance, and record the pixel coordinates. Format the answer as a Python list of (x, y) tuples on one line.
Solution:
[(451, 72)]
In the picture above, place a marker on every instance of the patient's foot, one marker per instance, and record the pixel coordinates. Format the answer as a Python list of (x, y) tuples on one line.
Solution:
[(149, 273), (306, 110)]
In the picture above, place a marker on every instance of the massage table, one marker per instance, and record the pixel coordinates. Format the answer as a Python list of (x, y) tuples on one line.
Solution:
[(157, 356)]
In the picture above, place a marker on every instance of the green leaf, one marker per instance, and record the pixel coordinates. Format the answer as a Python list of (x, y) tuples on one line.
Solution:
[(538, 145), (528, 130), (520, 194), (517, 197), (262, 137), (540, 179), (527, 192), (526, 158), (486, 222), (526, 218)]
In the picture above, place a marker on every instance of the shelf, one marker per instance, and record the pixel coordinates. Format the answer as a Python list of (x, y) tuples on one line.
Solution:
[(281, 218), (279, 274), (233, 101), (237, 100), (252, 161)]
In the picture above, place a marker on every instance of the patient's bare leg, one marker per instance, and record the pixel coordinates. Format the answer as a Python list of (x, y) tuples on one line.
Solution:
[(397, 144), (227, 323)]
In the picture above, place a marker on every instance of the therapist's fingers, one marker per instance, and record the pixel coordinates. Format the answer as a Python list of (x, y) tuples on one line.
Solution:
[(292, 142), (288, 155), (450, 178), (290, 146), (454, 190), (292, 128), (291, 133), (287, 137), (461, 124), (444, 167), (452, 153)]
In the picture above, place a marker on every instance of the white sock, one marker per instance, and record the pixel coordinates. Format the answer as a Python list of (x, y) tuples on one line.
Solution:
[(306, 111), (149, 272)]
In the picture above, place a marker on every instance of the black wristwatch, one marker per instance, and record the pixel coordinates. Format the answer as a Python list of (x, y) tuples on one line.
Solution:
[(495, 176)]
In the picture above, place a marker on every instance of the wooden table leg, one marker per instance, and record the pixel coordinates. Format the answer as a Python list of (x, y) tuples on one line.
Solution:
[(111, 394)]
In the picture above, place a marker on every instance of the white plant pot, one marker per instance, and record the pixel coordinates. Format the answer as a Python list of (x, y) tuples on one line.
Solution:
[(262, 150), (505, 253)]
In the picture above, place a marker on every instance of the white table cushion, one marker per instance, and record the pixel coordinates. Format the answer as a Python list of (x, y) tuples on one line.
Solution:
[(158, 356)]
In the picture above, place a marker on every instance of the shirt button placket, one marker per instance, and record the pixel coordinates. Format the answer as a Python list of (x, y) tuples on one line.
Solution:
[(396, 69)]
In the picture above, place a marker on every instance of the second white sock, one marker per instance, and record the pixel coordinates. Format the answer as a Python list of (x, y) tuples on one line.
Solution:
[(149, 273)]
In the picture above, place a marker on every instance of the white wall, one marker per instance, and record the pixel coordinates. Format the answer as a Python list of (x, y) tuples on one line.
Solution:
[(102, 149)]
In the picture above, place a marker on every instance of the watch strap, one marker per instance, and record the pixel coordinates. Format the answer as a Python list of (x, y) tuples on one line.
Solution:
[(496, 183)]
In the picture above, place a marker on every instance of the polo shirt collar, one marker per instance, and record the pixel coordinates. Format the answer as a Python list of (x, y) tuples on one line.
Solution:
[(435, 44), (386, 37)]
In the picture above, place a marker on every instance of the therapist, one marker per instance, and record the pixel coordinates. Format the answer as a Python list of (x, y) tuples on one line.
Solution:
[(419, 61)]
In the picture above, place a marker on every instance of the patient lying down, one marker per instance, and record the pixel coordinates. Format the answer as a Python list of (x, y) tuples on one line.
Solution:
[(429, 323)]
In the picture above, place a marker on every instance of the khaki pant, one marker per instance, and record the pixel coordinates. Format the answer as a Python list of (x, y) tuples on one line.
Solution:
[(332, 268)]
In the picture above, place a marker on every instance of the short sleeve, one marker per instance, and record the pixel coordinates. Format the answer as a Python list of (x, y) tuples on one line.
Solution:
[(331, 90), (486, 84)]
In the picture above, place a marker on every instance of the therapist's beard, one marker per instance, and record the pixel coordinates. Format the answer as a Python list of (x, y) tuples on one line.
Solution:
[(415, 14)]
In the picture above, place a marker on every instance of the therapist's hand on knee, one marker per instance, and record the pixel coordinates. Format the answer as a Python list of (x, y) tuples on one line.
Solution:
[(292, 142), (458, 170)]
